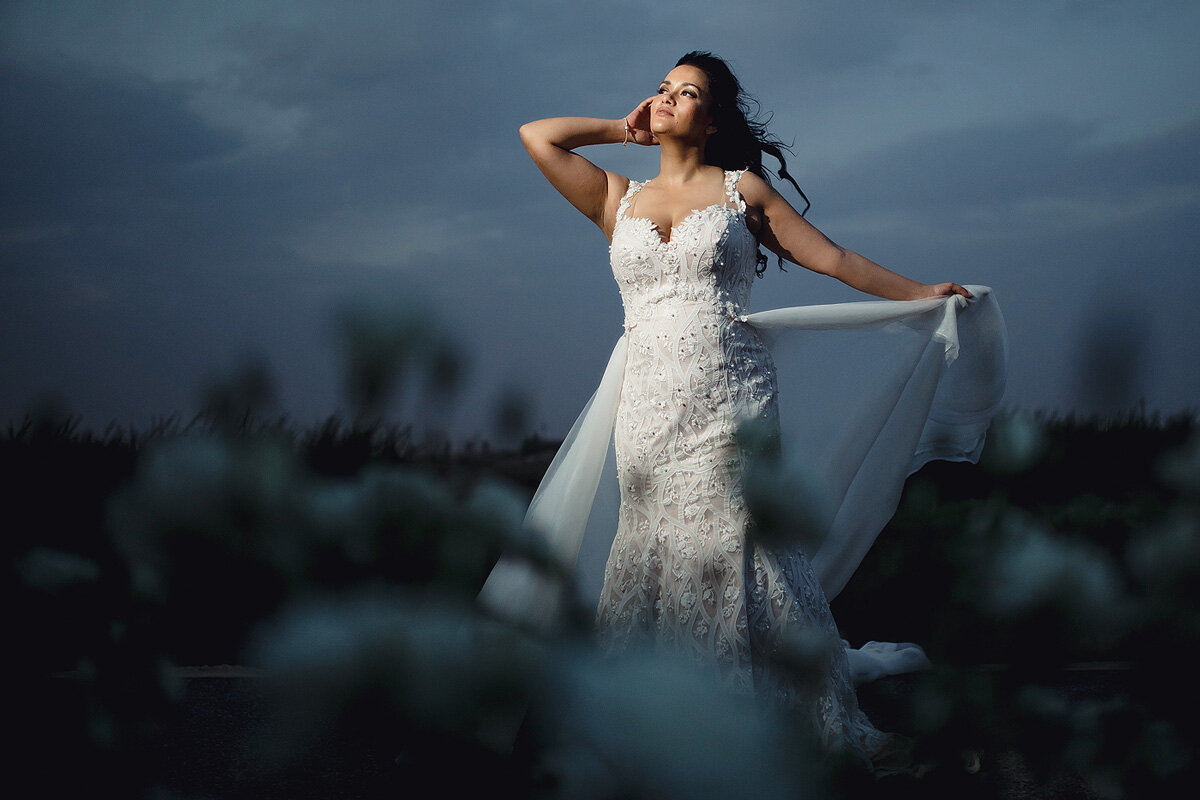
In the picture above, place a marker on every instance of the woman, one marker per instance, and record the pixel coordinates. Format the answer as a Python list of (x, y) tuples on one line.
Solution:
[(691, 370)]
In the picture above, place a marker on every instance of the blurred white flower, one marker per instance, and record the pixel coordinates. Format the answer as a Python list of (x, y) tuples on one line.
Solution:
[(54, 570), (1034, 567), (1015, 441), (651, 726)]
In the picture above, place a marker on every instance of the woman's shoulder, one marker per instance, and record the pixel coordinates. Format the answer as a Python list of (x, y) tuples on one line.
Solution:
[(619, 186), (753, 188), (747, 181), (619, 183)]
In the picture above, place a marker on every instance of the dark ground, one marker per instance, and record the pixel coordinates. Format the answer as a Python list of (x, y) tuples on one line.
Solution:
[(208, 751)]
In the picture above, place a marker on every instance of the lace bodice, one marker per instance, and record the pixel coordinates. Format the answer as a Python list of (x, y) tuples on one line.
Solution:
[(708, 259)]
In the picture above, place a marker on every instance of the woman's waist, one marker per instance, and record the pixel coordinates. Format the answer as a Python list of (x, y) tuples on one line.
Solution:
[(679, 312)]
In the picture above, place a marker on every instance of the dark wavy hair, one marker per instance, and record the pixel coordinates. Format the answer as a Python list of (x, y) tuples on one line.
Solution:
[(740, 139)]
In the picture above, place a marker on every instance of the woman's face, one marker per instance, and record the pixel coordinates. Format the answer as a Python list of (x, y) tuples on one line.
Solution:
[(681, 107)]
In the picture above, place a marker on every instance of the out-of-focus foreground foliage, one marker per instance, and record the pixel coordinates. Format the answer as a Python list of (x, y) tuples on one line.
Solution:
[(343, 563), (1055, 585)]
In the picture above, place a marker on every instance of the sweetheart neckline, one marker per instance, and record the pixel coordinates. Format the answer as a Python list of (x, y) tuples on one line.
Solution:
[(657, 231)]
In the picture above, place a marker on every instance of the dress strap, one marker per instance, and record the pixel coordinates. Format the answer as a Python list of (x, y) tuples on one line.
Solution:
[(731, 191), (627, 199)]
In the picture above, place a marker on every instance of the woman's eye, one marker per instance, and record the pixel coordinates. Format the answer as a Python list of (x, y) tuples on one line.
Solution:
[(690, 94), (661, 89)]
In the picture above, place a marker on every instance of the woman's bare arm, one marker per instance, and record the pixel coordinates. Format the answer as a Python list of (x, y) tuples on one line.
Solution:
[(784, 232), (595, 192), (550, 143)]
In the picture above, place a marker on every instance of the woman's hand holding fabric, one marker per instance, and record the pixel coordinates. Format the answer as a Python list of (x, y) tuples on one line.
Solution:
[(947, 289)]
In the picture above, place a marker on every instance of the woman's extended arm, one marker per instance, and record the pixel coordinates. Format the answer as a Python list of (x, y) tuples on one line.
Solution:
[(784, 232)]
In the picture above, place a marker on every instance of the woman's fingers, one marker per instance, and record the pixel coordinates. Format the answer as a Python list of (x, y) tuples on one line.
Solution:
[(948, 289), (639, 118), (637, 123)]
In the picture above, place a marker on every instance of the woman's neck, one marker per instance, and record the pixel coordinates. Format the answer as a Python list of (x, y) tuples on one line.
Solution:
[(679, 162)]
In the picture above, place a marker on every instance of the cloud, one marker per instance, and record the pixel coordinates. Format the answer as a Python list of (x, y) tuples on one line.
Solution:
[(71, 133), (196, 180), (1040, 177)]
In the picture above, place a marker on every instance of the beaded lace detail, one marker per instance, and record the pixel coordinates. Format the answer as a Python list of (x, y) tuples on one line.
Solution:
[(680, 574)]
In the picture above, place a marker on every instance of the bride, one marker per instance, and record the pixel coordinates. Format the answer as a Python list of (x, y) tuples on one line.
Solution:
[(685, 570)]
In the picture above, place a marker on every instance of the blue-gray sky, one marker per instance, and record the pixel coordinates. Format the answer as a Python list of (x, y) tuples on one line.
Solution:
[(182, 184)]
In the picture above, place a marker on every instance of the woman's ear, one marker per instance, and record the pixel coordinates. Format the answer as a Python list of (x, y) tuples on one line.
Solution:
[(710, 130)]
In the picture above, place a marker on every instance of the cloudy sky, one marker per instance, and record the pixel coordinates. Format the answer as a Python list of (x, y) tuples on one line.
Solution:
[(186, 184)]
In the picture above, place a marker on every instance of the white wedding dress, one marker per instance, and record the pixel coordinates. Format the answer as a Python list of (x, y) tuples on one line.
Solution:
[(691, 369)]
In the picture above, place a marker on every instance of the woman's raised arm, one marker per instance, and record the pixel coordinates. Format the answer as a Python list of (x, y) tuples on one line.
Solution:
[(595, 192)]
